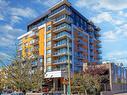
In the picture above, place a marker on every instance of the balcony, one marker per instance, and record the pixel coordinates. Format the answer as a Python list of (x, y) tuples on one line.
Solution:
[(60, 11), (98, 45), (62, 36), (60, 61), (97, 29), (99, 57), (80, 57), (61, 45), (99, 51), (61, 19), (97, 34), (91, 40), (90, 28), (91, 47), (61, 53), (62, 27)]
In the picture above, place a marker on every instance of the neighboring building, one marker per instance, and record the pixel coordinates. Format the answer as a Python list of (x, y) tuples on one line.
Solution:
[(117, 78), (60, 37)]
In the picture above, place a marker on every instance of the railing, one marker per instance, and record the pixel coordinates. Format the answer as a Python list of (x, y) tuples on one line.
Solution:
[(62, 53), (62, 35), (62, 26), (59, 10), (91, 47), (60, 61), (63, 44), (63, 17), (99, 45), (99, 51)]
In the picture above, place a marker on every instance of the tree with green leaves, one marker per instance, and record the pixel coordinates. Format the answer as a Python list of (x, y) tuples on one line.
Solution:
[(22, 76), (90, 81), (86, 84)]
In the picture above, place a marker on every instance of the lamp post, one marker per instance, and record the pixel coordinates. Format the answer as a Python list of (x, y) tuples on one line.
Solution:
[(69, 72)]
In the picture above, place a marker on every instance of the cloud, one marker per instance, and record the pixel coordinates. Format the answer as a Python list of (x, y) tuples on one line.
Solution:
[(122, 13), (117, 34), (15, 19), (9, 35), (23, 12), (1, 17), (86, 3), (119, 56), (47, 3), (14, 14), (112, 5), (2, 55), (107, 17)]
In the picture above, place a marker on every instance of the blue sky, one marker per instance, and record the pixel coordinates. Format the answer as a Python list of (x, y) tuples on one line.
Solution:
[(109, 15)]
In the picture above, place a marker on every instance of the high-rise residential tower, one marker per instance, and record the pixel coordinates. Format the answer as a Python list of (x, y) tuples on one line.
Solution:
[(60, 37)]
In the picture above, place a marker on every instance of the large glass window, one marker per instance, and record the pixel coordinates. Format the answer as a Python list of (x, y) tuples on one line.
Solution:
[(48, 43), (48, 35), (49, 60), (48, 51)]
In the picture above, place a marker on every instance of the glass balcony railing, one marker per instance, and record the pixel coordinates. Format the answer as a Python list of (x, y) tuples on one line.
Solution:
[(62, 27), (99, 51), (60, 61), (97, 34), (62, 35), (80, 57), (99, 46), (61, 10), (61, 45), (63, 18), (62, 53), (92, 47)]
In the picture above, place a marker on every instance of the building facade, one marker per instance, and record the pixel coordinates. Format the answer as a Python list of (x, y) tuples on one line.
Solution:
[(117, 76), (60, 37)]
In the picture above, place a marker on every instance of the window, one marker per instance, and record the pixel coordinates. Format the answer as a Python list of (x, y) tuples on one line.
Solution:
[(48, 28), (49, 68), (48, 35), (49, 60), (48, 51), (48, 43)]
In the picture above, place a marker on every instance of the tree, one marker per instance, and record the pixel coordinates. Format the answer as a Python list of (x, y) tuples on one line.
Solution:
[(21, 76), (2, 79), (90, 81), (85, 84)]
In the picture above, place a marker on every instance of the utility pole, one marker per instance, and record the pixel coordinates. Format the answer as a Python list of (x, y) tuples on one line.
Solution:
[(69, 71)]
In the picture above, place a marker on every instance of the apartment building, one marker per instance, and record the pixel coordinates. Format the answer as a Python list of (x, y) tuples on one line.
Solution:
[(60, 38)]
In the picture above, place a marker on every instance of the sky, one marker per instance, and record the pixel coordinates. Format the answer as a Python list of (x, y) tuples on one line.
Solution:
[(109, 15)]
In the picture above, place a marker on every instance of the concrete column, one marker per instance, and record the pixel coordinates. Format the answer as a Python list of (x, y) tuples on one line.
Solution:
[(64, 88)]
